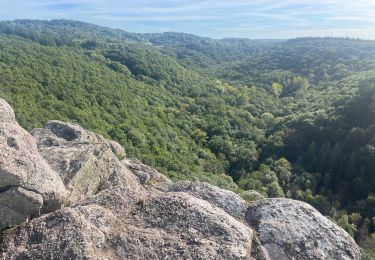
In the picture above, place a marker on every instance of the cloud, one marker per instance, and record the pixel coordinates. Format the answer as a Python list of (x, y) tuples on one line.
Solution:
[(169, 18), (215, 18)]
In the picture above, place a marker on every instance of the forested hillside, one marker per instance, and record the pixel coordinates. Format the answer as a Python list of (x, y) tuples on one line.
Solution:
[(289, 118)]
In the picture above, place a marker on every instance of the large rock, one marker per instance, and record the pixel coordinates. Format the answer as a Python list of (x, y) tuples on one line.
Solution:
[(25, 177), (85, 161), (71, 233), (18, 205), (178, 226), (163, 226), (227, 200), (147, 176), (289, 229), (117, 199), (117, 149)]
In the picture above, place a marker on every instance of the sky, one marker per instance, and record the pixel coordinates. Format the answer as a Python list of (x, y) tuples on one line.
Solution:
[(256, 19)]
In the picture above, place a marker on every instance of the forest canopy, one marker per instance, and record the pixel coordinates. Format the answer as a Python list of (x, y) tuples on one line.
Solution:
[(291, 119)]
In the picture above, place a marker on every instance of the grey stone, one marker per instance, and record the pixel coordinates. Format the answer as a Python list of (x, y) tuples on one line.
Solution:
[(179, 226), (163, 226), (18, 205), (21, 165), (147, 176), (289, 229), (71, 233), (117, 149), (227, 200), (84, 160)]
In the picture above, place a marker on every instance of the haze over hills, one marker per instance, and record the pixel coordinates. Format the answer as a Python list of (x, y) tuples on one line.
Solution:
[(287, 118)]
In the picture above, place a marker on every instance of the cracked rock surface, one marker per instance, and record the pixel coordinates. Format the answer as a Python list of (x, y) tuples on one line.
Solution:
[(118, 208), (85, 161), (28, 185), (229, 201)]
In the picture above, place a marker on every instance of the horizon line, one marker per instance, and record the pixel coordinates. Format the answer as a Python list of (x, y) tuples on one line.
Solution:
[(188, 33)]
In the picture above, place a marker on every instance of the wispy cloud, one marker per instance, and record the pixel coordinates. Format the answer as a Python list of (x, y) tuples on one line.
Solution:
[(171, 18), (215, 18)]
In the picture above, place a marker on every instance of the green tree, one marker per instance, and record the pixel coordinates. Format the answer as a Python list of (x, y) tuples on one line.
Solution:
[(277, 89)]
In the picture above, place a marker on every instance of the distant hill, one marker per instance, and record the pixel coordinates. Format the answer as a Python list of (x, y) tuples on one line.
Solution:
[(286, 118)]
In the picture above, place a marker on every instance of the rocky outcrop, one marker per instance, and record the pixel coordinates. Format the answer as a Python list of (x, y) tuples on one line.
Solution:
[(289, 229), (85, 161), (119, 208), (28, 185), (166, 226), (227, 200), (178, 226)]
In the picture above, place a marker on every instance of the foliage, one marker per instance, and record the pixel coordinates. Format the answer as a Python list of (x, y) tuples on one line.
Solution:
[(291, 119)]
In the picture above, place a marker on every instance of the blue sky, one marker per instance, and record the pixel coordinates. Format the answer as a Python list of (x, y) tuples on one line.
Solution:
[(262, 19)]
